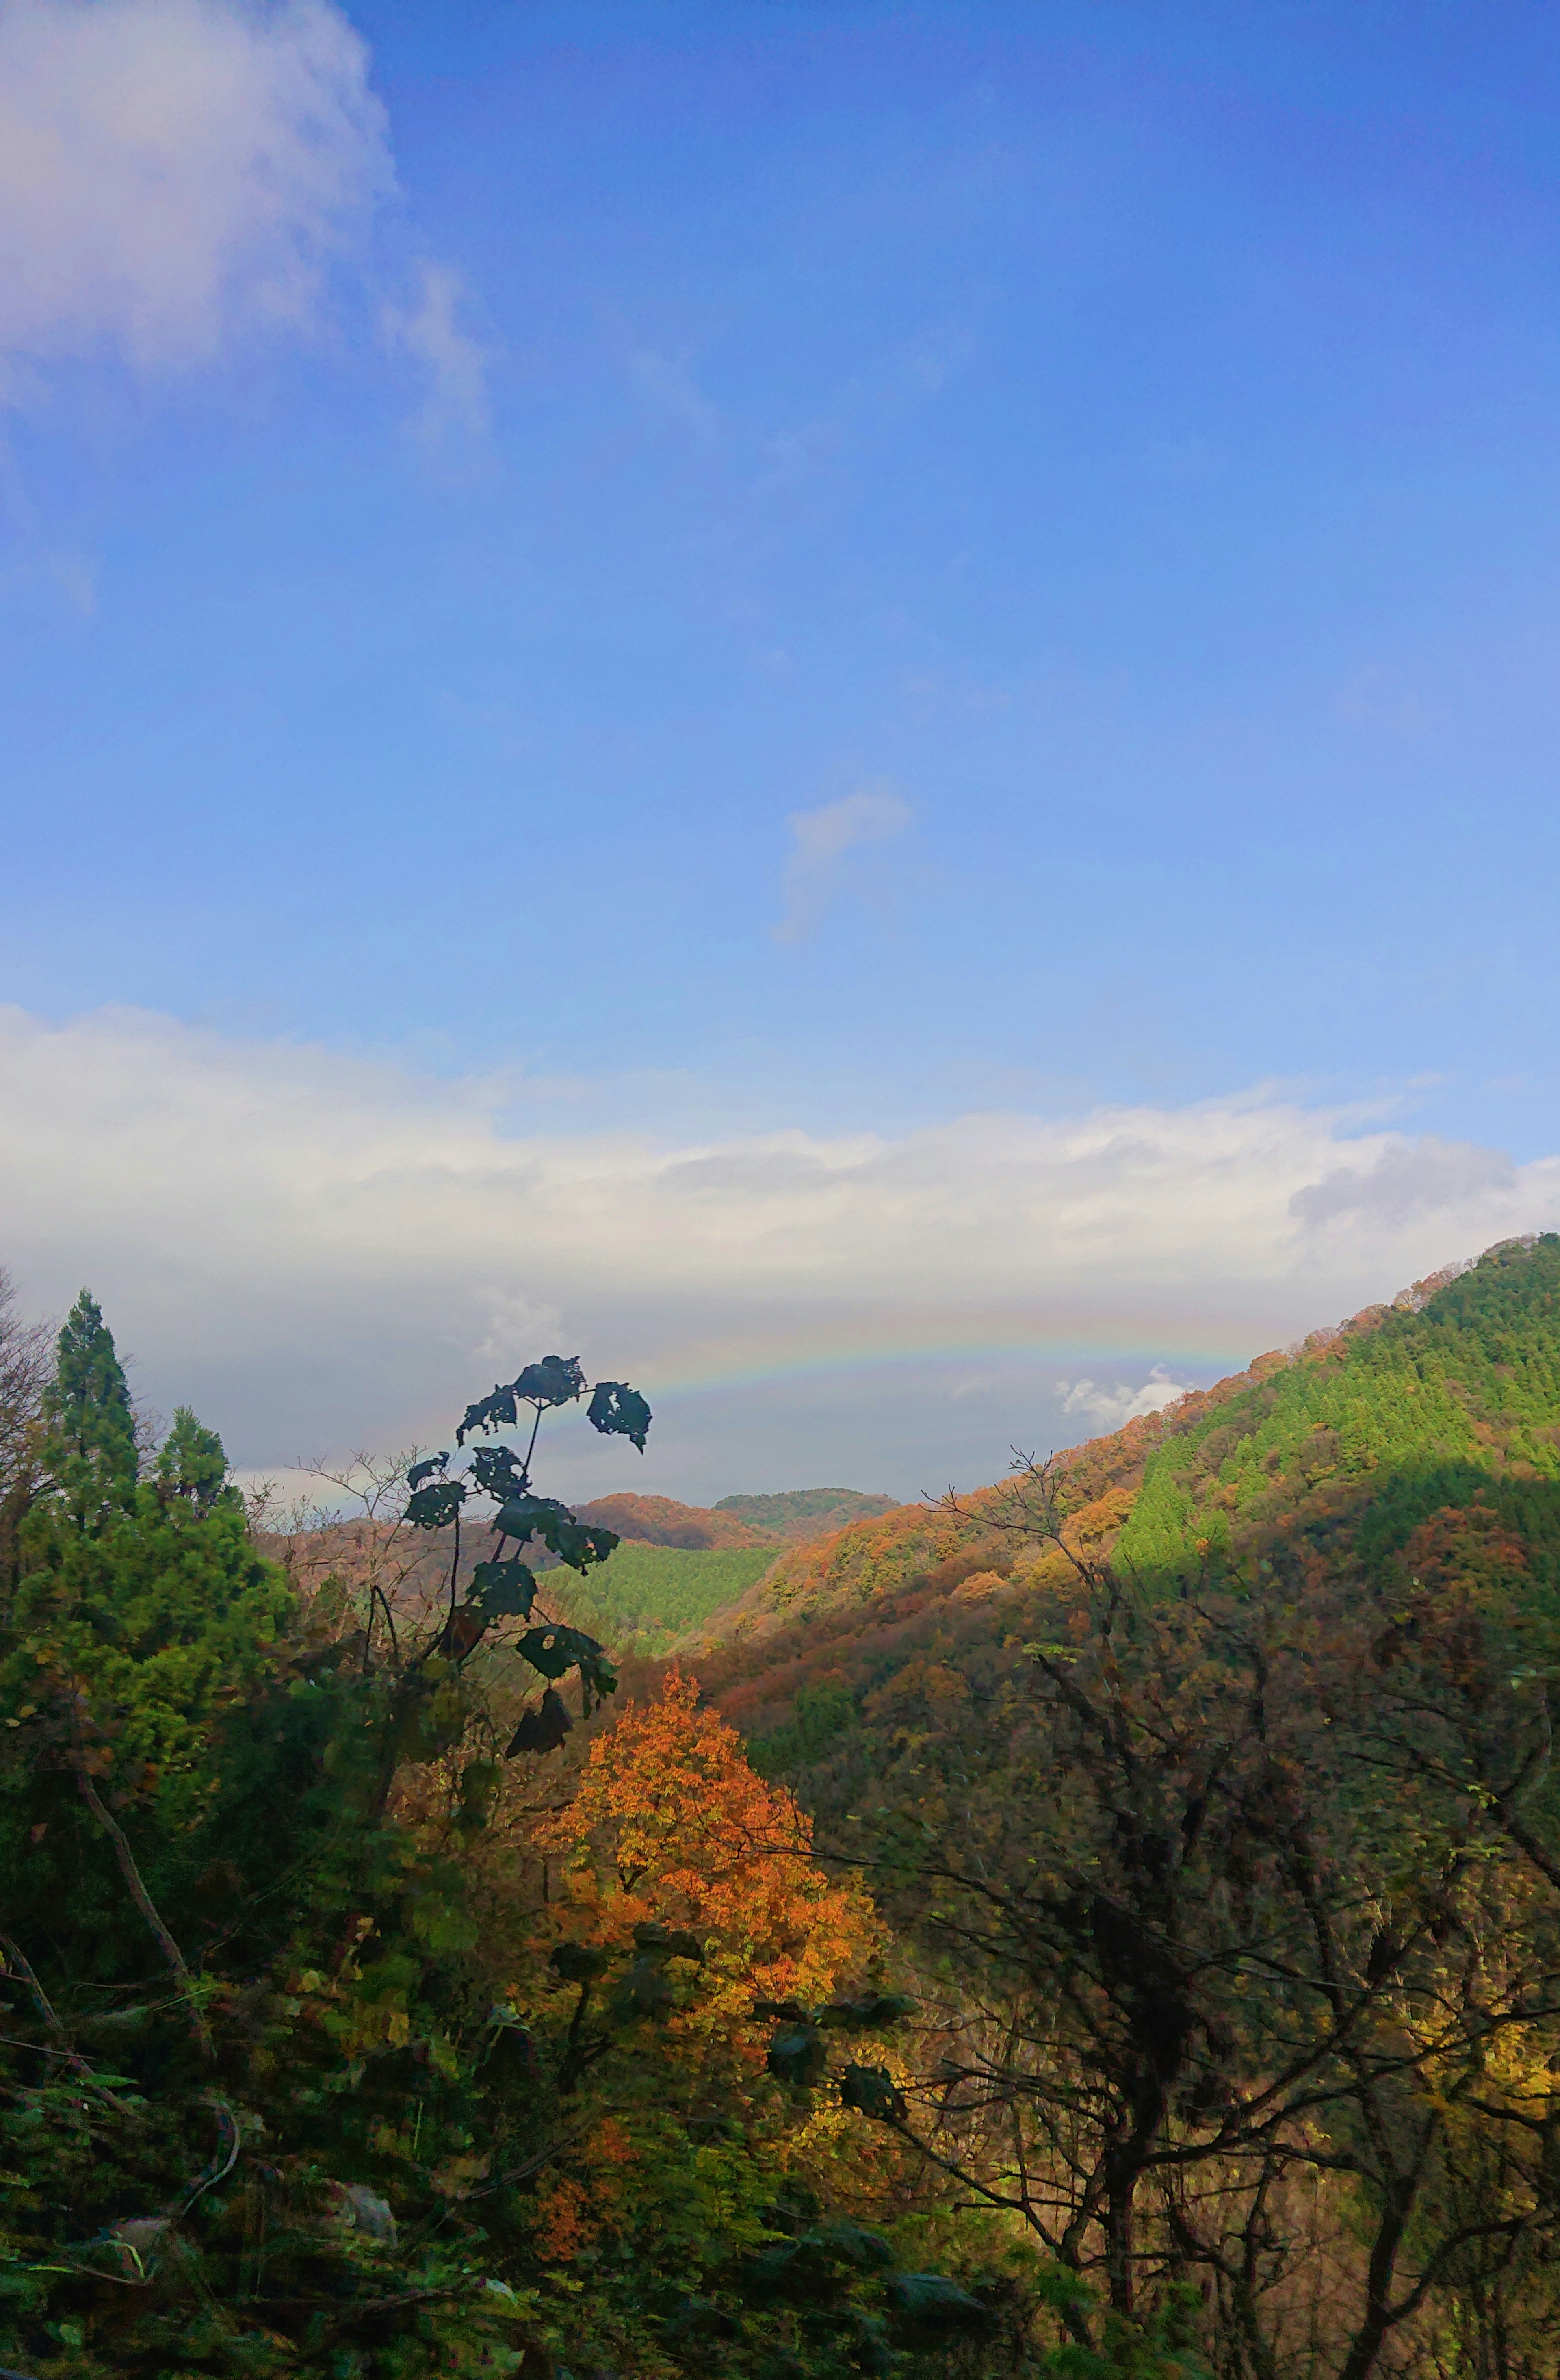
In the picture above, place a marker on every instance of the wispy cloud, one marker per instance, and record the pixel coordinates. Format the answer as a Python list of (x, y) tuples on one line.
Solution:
[(176, 176), (450, 359), (822, 843), (666, 385)]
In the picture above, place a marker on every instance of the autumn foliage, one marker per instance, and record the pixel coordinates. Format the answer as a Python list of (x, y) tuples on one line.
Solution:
[(670, 1827)]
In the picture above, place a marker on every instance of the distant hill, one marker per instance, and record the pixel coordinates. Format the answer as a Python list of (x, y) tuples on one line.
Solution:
[(800, 1515), (658, 1520)]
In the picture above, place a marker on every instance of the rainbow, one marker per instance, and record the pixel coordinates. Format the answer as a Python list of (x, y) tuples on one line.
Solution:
[(761, 1363)]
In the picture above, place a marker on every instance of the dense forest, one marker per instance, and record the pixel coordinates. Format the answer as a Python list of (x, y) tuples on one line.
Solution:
[(1108, 1924)]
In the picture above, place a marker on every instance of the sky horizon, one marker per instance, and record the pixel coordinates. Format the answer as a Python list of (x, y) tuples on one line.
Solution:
[(849, 707)]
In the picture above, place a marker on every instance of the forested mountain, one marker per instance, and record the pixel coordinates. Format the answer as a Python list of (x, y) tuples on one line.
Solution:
[(1104, 1928), (1366, 1428)]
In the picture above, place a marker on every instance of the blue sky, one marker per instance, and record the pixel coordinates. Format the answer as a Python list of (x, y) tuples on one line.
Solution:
[(751, 587)]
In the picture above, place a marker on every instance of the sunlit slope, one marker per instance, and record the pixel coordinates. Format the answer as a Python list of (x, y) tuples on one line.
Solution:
[(1454, 1389), (646, 1597), (1404, 1408)]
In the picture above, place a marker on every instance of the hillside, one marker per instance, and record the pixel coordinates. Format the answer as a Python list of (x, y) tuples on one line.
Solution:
[(1338, 1449), (646, 1597)]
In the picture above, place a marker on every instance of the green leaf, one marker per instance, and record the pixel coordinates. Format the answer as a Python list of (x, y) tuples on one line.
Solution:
[(498, 1471), (618, 1411), (428, 1469), (497, 1412)]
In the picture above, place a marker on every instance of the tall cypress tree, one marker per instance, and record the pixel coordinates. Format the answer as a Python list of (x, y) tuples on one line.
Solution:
[(91, 1426)]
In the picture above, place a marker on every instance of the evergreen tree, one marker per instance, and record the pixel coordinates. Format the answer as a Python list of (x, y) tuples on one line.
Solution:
[(192, 1462), (91, 1426)]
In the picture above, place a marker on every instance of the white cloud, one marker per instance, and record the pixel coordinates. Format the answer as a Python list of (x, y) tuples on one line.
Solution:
[(321, 1251), (1108, 1408), (821, 839), (669, 388), (453, 362), (175, 175)]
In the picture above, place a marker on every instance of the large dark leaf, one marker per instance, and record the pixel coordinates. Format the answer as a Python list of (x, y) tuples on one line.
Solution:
[(645, 1992), (658, 1941), (556, 1380), (933, 2303), (815, 2265), (597, 1679), (497, 1412), (872, 2091), (542, 1729), (463, 1632), (553, 1650), (798, 2053), (618, 1411), (503, 1588), (425, 1470), (498, 1471), (868, 2012), (544, 1517), (577, 1962), (435, 1506)]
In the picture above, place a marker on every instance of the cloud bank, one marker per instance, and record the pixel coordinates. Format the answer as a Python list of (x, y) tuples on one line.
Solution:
[(175, 175), (323, 1252)]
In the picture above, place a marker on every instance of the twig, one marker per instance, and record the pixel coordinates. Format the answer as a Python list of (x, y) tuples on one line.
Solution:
[(148, 1908), (23, 1966), (214, 2172)]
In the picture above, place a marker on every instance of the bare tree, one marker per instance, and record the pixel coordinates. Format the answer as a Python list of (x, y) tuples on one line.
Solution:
[(26, 1369)]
